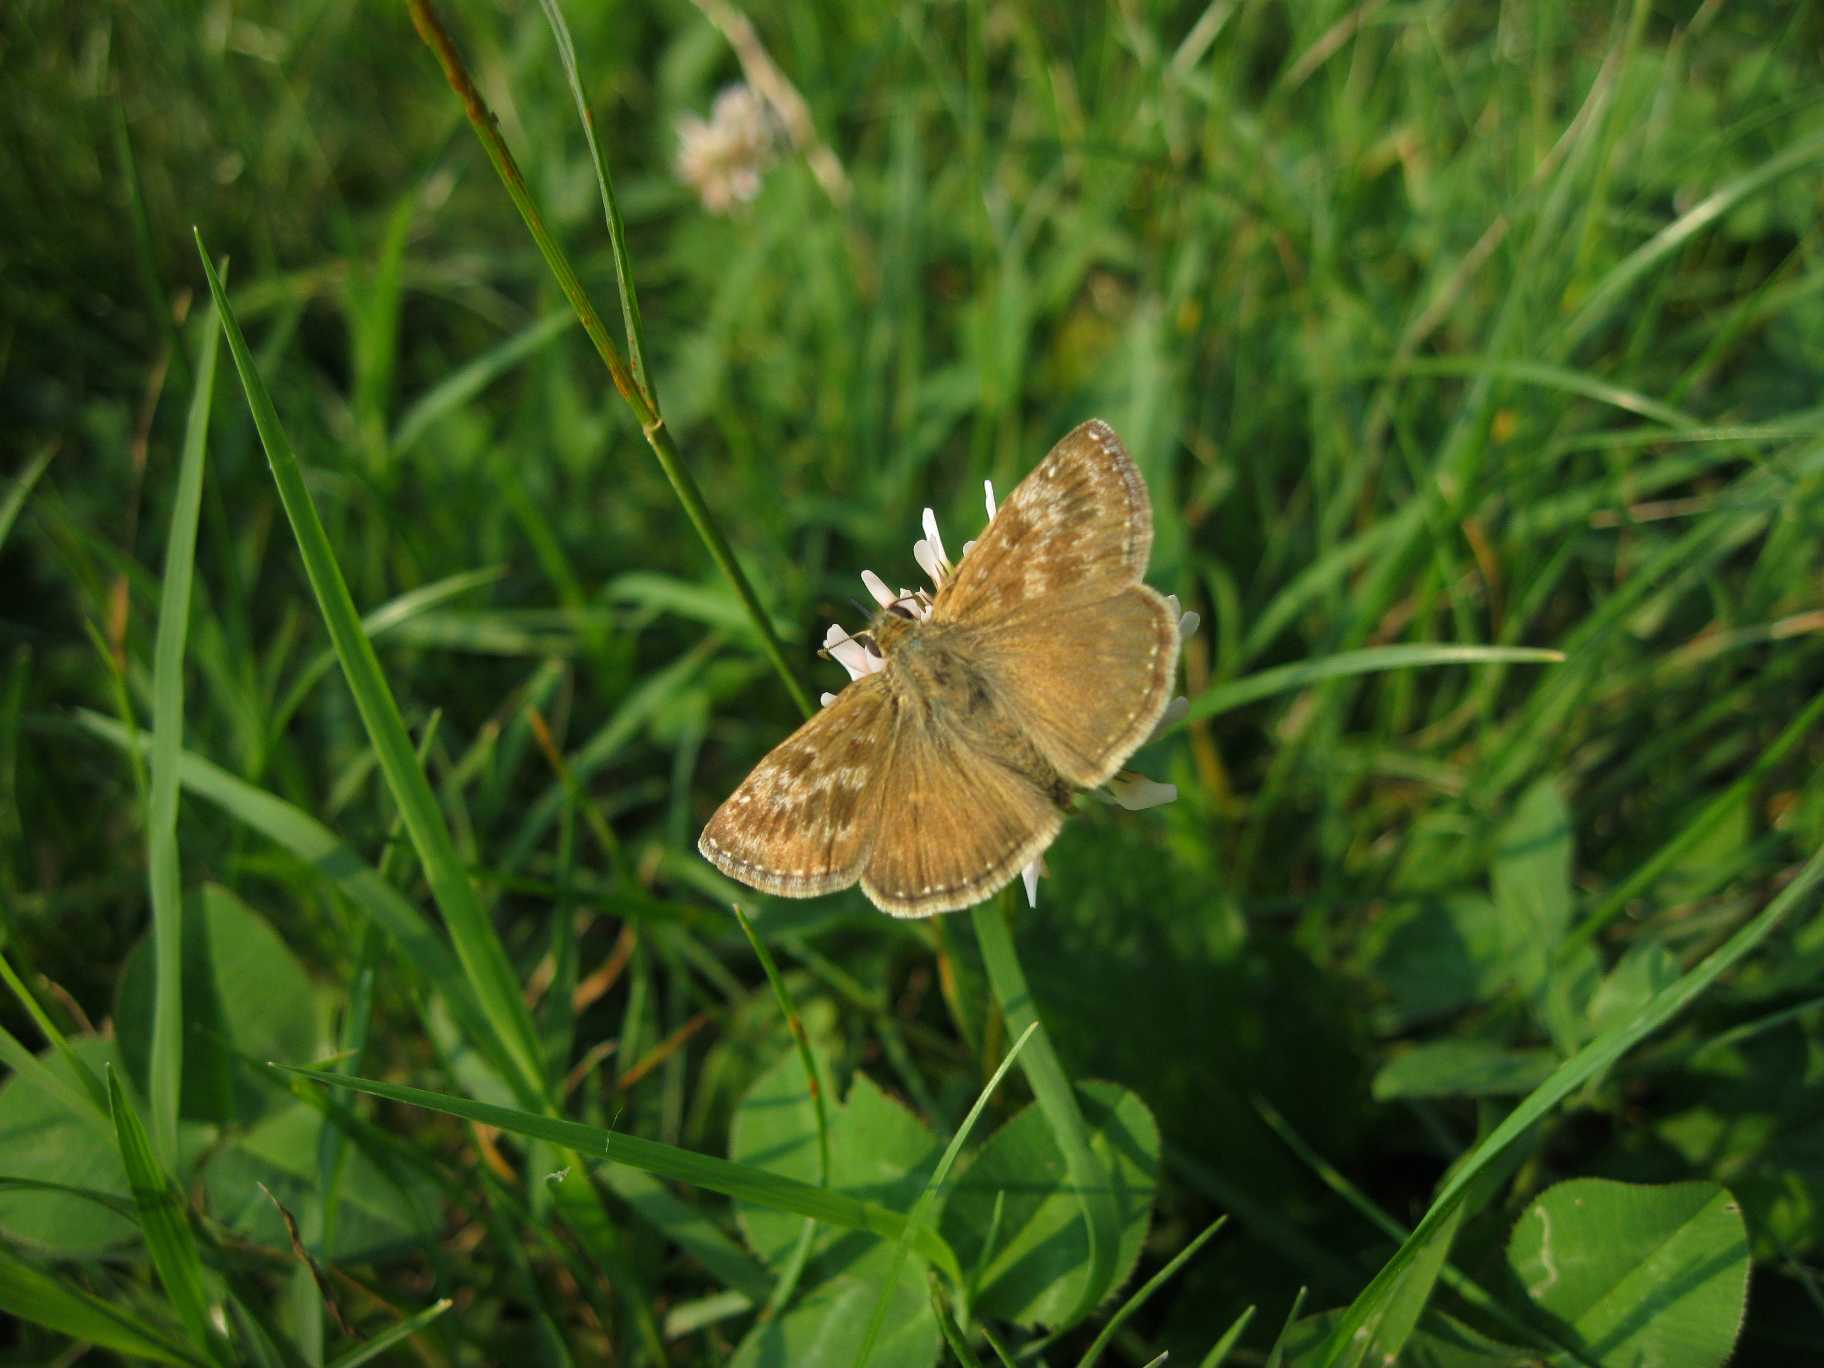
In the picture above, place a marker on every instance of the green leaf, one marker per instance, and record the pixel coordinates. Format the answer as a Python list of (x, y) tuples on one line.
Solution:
[(1531, 880), (417, 941), (1532, 877), (42, 1137), (1462, 1068), (1434, 957), (1638, 1274), (1644, 968), (246, 998), (1034, 1273), (825, 1327), (878, 1149)]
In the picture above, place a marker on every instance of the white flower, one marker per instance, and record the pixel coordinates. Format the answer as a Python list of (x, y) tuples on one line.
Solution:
[(724, 158), (860, 656)]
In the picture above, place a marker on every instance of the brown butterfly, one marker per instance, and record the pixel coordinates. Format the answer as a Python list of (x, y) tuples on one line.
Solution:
[(1036, 669)]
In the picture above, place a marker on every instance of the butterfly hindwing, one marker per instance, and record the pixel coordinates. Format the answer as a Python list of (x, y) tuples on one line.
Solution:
[(804, 820), (1088, 681), (956, 823)]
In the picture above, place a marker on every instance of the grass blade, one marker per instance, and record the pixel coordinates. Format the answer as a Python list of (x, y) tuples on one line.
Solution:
[(477, 943), (1219, 1351), (393, 1334), (1226, 697), (617, 230), (1052, 1090), (743, 1182), (919, 1216), (21, 490), (164, 1220), (163, 872), (1153, 1284), (41, 1298)]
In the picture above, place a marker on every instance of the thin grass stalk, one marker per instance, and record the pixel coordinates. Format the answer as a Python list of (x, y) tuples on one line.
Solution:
[(652, 424)]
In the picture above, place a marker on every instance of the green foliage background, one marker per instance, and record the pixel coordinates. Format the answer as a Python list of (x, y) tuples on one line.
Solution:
[(1428, 324)]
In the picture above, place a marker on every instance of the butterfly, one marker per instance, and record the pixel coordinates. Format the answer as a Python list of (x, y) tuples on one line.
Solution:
[(1038, 666)]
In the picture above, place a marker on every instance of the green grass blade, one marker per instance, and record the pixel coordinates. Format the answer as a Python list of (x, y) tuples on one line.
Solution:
[(468, 380), (164, 1221), (1226, 697), (794, 1266), (1051, 1089), (1588, 1062), (1546, 376), (611, 208), (42, 1298), (1608, 296), (1464, 1286), (145, 255), (1219, 1351), (1107, 1334), (92, 1085), (163, 872), (742, 1182), (919, 1217), (477, 943), (389, 616), (1706, 821), (396, 1333), (21, 489)]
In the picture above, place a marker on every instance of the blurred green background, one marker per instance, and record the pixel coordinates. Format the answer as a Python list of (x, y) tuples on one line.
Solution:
[(1427, 323)]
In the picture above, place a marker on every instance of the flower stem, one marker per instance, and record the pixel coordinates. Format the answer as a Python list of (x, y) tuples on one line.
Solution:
[(1057, 1099), (652, 423)]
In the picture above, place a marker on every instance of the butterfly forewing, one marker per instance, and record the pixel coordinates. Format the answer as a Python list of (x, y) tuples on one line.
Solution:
[(956, 823), (805, 820), (1077, 529), (1086, 681)]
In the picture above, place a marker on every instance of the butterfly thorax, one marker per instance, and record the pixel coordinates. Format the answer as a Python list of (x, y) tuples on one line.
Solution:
[(941, 688)]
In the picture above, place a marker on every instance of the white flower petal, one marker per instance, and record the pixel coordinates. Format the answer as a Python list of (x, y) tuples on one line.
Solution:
[(1136, 792), (878, 588), (988, 488), (1187, 625), (825, 699), (848, 653), (928, 562), (935, 542), (1030, 877), (1174, 713)]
